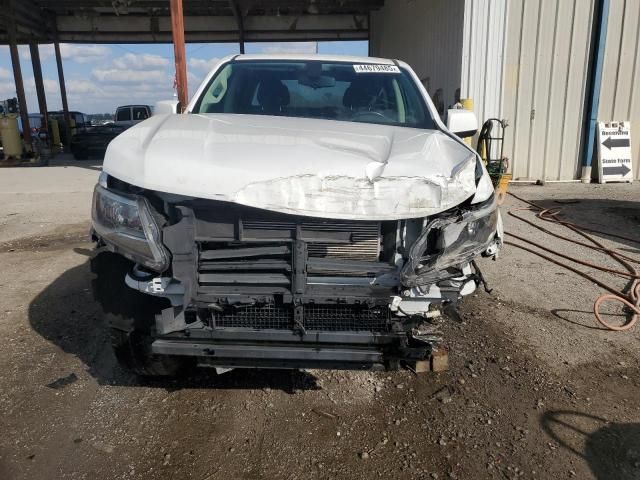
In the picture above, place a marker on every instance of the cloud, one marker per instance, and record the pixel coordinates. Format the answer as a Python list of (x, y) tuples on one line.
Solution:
[(290, 47), (120, 76), (5, 74), (140, 61), (82, 86), (75, 53), (84, 53), (202, 65)]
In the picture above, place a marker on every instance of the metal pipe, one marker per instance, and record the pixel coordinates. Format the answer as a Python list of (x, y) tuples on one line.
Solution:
[(597, 61), (177, 31)]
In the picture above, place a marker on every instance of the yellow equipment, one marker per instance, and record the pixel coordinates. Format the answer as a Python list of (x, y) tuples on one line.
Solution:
[(10, 135), (54, 126), (467, 104)]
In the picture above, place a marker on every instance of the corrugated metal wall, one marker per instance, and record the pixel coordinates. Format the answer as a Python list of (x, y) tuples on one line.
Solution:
[(485, 28), (545, 79), (425, 34), (620, 94)]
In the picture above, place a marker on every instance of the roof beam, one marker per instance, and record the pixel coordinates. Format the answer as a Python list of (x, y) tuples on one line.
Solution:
[(144, 29), (29, 19)]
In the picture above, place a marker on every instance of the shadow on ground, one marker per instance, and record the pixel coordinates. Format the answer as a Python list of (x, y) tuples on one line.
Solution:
[(66, 314), (66, 160), (612, 450), (617, 217)]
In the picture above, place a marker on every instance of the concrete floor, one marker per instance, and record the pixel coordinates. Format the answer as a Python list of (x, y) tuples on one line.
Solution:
[(536, 389), (42, 200)]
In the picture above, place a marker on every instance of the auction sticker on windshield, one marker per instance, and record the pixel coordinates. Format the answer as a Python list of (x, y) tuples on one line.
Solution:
[(369, 68)]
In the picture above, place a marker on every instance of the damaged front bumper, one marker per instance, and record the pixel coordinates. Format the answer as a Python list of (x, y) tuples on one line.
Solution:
[(252, 288)]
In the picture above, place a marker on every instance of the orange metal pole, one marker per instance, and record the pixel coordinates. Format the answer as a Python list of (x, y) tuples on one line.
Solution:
[(177, 29)]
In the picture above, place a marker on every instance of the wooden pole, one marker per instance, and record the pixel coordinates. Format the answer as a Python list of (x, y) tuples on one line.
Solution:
[(177, 29), (63, 92), (37, 74), (17, 77)]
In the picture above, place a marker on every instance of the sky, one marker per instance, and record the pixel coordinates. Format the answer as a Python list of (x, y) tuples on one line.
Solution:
[(101, 77)]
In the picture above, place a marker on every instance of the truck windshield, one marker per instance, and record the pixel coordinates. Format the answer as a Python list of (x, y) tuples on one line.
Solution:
[(371, 93)]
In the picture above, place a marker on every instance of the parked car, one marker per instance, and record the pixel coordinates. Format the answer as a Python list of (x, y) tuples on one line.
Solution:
[(305, 212), (80, 122), (129, 115), (94, 140)]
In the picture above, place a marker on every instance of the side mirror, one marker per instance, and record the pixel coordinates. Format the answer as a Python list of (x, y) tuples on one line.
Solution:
[(166, 106), (463, 123)]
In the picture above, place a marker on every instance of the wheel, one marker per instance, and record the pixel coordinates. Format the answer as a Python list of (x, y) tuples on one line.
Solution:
[(133, 352), (130, 317), (79, 154)]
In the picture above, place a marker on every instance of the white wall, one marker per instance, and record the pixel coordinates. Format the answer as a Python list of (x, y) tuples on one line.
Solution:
[(546, 69), (483, 47), (427, 34)]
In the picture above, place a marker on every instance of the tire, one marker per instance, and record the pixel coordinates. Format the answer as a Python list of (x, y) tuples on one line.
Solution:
[(130, 317), (78, 154), (133, 351)]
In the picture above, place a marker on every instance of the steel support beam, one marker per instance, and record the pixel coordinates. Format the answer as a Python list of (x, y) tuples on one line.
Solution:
[(63, 91), (17, 77), (177, 29), (37, 74), (240, 21), (210, 29)]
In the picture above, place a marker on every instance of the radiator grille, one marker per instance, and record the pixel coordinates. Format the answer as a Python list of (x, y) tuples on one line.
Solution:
[(345, 318), (316, 317), (363, 242), (258, 317)]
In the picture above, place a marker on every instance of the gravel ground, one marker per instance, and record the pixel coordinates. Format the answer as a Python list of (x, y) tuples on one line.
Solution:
[(535, 389)]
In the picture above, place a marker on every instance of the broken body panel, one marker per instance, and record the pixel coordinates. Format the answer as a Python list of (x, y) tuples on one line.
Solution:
[(298, 242)]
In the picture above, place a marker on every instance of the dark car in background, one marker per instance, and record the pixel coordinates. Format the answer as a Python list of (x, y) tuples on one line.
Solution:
[(93, 141), (80, 121)]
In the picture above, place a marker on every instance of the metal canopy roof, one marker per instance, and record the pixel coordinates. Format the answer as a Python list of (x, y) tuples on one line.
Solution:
[(148, 21)]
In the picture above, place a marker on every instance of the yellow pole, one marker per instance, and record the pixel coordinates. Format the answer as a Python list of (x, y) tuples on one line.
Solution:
[(467, 104)]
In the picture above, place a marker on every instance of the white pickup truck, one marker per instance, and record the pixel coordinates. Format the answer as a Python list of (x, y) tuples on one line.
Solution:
[(129, 115), (304, 212)]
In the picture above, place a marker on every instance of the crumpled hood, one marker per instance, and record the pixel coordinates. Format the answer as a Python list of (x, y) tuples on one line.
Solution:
[(318, 168)]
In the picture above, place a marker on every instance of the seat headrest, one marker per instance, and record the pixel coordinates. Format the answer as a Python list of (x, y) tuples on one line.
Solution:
[(272, 95), (360, 93)]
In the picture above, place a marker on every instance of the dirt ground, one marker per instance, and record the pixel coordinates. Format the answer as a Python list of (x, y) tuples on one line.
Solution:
[(535, 388)]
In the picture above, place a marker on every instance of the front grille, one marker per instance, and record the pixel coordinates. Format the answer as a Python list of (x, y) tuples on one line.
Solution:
[(361, 242), (261, 257), (258, 317), (316, 317), (346, 318)]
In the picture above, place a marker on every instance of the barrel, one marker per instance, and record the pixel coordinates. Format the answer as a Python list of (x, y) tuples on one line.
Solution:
[(10, 135)]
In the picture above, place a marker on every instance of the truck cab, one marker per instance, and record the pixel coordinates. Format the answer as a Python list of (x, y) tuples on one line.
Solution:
[(129, 115)]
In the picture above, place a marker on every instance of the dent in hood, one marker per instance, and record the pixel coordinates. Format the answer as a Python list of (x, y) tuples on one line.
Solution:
[(310, 167)]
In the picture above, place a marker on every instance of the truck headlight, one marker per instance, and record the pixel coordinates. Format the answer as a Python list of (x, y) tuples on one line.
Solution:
[(125, 223), (450, 241)]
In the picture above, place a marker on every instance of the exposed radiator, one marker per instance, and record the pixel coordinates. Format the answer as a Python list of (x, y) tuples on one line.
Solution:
[(262, 256), (361, 239)]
